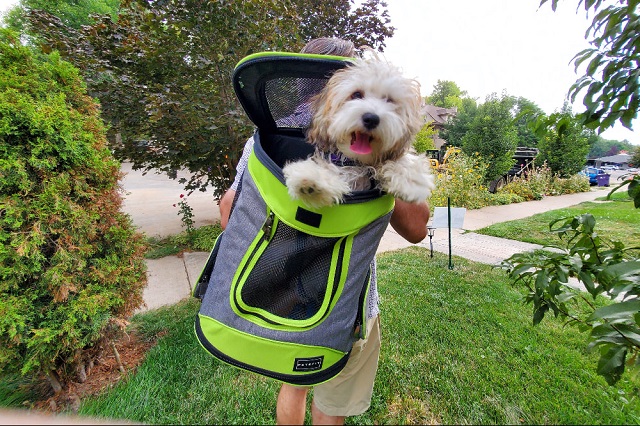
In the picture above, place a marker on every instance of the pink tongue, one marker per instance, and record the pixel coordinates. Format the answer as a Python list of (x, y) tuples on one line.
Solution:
[(360, 143)]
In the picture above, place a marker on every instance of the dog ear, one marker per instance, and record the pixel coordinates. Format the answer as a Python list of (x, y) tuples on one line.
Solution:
[(413, 120), (323, 108)]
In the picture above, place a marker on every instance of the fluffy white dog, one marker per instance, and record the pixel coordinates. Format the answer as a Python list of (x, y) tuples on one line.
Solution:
[(363, 124)]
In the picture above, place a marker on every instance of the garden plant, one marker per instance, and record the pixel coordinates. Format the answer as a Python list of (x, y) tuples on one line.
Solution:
[(604, 268), (72, 269)]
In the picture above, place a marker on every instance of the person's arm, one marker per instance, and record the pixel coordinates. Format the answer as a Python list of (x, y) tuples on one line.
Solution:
[(410, 220), (225, 207), (226, 202)]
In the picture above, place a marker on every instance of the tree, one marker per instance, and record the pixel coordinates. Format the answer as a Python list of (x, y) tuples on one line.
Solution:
[(604, 268), (72, 266), (365, 25), (565, 143), (601, 147), (635, 157), (72, 13), (458, 126), (446, 94), (524, 111), (492, 135), (424, 138), (162, 73), (611, 76)]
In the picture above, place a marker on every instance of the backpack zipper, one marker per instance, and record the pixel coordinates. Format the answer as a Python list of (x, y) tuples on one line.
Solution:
[(267, 227)]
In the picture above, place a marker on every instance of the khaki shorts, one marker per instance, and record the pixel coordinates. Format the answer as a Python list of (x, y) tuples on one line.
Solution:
[(349, 393)]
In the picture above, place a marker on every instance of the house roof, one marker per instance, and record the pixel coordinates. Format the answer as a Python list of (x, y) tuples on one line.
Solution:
[(438, 115), (618, 158)]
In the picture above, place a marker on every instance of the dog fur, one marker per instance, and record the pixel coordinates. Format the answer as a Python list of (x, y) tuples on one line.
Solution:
[(368, 114)]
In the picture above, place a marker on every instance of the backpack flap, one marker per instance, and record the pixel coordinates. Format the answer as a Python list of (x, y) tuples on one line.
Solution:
[(275, 88)]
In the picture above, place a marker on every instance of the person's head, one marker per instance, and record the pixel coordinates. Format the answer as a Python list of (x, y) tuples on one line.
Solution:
[(330, 46)]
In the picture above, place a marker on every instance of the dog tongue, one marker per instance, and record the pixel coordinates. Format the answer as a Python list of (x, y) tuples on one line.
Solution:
[(360, 143)]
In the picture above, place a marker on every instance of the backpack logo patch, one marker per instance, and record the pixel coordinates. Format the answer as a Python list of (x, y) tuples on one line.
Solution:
[(308, 364)]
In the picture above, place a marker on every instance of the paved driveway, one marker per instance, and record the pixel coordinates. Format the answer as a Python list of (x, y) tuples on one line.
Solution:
[(149, 200)]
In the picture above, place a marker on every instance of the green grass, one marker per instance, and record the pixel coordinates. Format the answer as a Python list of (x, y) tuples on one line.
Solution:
[(616, 220), (200, 239), (458, 348), (16, 390)]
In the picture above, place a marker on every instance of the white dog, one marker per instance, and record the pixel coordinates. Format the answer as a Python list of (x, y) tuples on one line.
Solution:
[(363, 124)]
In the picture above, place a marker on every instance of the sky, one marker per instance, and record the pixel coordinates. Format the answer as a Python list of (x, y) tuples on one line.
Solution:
[(489, 46)]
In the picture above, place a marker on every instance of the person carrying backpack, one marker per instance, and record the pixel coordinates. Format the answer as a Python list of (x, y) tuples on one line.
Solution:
[(349, 393)]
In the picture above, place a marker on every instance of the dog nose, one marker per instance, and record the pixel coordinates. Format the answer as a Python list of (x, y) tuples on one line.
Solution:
[(370, 120)]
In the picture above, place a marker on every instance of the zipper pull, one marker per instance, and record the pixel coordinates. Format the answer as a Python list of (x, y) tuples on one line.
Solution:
[(268, 225)]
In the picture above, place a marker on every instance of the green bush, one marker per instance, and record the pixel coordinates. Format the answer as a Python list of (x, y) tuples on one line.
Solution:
[(504, 198), (542, 182), (461, 182), (572, 184), (424, 138), (71, 265)]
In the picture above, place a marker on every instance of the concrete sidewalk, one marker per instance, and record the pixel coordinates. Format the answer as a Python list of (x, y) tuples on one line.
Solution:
[(170, 279)]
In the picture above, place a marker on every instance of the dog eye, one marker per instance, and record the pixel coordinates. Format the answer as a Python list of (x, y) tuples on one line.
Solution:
[(357, 95)]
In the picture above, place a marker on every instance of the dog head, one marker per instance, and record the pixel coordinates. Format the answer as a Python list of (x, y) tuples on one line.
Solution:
[(368, 112)]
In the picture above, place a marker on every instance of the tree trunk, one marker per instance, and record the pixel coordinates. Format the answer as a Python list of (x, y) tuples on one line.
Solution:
[(81, 372), (117, 354), (54, 381)]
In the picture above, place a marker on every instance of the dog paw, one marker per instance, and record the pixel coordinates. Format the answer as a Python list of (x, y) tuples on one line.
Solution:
[(408, 179), (316, 183)]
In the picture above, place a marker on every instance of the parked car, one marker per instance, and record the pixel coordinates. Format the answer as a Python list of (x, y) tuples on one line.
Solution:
[(609, 167), (592, 173)]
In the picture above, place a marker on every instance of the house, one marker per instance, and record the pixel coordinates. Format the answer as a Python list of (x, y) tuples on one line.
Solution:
[(439, 117), (621, 160)]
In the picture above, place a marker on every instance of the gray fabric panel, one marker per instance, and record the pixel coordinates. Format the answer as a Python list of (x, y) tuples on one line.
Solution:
[(245, 222)]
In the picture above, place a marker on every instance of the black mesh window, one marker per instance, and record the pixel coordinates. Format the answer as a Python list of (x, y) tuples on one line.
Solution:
[(290, 278), (289, 100)]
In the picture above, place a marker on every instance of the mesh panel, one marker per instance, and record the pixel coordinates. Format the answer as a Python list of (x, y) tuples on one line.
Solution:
[(290, 278), (289, 100)]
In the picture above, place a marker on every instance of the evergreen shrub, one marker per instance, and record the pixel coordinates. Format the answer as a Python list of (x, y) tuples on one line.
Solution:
[(71, 264)]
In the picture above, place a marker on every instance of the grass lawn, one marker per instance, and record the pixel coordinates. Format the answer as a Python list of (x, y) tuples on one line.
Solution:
[(458, 348), (200, 239), (616, 220)]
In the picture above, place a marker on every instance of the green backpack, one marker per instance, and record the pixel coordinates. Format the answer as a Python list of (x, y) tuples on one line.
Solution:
[(284, 290)]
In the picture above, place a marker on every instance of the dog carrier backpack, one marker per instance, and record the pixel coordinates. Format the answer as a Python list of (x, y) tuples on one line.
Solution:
[(284, 290)]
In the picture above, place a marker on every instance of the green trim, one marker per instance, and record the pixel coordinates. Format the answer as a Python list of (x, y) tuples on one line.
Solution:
[(251, 256), (292, 55), (271, 355), (337, 221)]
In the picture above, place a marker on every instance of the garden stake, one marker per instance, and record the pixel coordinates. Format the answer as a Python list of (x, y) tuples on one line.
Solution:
[(449, 223)]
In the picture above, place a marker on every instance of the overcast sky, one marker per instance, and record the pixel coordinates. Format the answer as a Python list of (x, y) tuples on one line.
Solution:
[(488, 46)]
